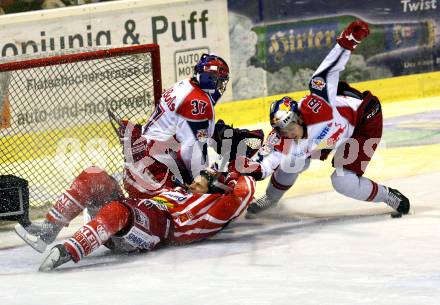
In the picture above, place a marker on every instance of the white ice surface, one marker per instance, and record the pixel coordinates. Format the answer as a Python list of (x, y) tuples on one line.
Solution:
[(318, 249)]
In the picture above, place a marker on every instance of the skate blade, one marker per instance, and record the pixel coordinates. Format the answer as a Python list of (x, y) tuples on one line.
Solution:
[(34, 241), (261, 214), (249, 215), (396, 214), (50, 261)]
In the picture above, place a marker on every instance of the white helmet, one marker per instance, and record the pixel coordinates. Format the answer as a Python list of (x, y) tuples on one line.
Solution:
[(283, 112)]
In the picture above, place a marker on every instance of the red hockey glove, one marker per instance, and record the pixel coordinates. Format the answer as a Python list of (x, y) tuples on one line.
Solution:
[(241, 189), (353, 35)]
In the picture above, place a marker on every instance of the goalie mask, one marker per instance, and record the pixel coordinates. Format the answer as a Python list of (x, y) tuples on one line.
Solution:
[(283, 112), (212, 74)]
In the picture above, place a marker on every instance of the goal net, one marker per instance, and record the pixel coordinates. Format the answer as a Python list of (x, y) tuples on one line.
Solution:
[(53, 113)]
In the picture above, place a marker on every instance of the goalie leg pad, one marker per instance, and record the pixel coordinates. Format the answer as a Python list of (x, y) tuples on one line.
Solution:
[(64, 210)]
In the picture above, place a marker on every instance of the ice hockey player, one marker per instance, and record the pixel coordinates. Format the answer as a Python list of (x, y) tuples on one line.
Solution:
[(173, 143), (333, 116), (179, 215)]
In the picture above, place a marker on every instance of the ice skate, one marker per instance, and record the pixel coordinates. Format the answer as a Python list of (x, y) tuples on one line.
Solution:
[(261, 204), (397, 201), (38, 235), (57, 256)]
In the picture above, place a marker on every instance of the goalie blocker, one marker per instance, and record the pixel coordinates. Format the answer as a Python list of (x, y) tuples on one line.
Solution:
[(14, 199)]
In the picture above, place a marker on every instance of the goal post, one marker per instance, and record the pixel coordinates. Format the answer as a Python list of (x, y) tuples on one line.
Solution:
[(53, 113)]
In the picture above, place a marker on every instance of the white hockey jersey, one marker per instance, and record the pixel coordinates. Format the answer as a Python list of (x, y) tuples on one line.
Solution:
[(185, 113), (329, 118)]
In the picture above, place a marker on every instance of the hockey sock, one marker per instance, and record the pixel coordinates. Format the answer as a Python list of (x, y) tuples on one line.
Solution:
[(378, 192), (281, 181), (66, 208), (110, 219), (351, 185), (275, 190)]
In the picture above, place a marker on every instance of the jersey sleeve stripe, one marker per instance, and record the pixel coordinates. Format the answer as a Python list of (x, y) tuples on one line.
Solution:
[(192, 205)]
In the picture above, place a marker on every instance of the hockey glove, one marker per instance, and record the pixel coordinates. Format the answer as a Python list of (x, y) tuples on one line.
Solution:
[(246, 167), (233, 138), (353, 35), (230, 178)]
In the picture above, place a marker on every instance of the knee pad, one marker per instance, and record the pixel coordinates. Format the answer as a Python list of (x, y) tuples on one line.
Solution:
[(94, 186), (114, 216)]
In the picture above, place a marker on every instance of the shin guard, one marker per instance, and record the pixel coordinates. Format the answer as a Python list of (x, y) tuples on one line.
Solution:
[(110, 219)]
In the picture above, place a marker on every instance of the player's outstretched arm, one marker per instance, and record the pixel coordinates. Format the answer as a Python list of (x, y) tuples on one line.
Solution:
[(324, 82)]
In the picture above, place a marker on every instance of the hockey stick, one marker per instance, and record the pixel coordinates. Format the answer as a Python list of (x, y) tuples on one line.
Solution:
[(114, 120)]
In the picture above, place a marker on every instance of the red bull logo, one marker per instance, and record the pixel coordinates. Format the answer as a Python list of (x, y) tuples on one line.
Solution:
[(285, 107), (336, 136), (318, 83)]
